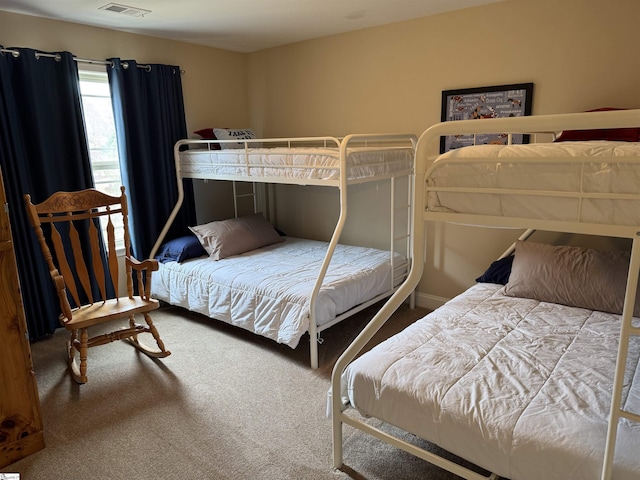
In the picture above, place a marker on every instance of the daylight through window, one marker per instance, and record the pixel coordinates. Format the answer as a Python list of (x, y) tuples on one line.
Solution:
[(101, 135)]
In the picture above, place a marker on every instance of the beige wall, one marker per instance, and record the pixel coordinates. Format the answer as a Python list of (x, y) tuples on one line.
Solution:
[(580, 54)]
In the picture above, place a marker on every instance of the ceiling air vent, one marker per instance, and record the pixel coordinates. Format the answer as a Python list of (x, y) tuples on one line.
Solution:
[(125, 10)]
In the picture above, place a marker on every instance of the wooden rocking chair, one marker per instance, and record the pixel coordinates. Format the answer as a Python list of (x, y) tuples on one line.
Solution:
[(76, 215)]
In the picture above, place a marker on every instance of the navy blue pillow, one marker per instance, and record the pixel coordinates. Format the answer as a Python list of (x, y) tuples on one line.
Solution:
[(498, 272), (180, 249)]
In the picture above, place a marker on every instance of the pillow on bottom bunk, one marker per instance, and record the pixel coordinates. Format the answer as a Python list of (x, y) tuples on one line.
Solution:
[(180, 249), (234, 236), (573, 276), (498, 272)]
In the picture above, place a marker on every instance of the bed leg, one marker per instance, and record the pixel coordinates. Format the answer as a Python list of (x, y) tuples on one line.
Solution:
[(313, 352), (337, 439)]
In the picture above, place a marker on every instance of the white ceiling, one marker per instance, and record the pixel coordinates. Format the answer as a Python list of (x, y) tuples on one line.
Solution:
[(239, 25)]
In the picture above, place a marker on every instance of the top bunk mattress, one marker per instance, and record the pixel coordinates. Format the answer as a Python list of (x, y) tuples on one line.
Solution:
[(519, 387), (296, 164), (589, 182)]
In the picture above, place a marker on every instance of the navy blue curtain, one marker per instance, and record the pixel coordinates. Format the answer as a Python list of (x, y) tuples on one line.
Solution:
[(43, 149), (149, 115)]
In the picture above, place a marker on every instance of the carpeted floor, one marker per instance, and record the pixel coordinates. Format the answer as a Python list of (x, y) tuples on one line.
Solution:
[(225, 405)]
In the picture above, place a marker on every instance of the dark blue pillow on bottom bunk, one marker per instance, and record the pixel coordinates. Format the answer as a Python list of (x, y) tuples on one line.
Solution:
[(180, 249), (498, 272)]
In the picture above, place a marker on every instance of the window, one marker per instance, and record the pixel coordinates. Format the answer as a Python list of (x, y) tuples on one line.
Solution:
[(101, 135)]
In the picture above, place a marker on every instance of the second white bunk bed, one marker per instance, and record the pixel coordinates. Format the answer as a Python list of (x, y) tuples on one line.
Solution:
[(288, 288), (527, 388)]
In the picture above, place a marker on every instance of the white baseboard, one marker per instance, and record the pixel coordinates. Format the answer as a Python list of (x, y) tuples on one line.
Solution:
[(430, 302)]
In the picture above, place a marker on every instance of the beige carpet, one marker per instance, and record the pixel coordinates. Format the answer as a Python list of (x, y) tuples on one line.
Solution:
[(225, 405)]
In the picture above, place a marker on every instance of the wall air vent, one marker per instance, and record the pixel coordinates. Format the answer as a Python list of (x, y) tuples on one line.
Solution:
[(125, 10)]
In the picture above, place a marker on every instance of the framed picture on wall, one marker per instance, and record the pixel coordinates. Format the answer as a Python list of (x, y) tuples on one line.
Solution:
[(485, 102)]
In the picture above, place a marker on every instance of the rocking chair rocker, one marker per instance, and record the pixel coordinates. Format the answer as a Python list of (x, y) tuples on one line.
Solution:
[(73, 216)]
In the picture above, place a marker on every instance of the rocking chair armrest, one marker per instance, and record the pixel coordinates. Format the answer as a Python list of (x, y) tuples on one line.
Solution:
[(142, 269), (150, 264), (61, 290)]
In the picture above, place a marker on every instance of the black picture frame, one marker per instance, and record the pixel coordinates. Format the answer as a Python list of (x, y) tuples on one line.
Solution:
[(485, 102)]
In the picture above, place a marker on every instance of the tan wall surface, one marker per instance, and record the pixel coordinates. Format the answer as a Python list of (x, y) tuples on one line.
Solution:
[(580, 54)]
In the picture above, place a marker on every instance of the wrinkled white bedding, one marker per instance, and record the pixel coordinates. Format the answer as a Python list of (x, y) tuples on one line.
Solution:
[(267, 291), (303, 163), (553, 167), (516, 386)]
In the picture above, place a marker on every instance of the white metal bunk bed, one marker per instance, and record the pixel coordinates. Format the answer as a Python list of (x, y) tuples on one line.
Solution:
[(318, 161), (601, 198)]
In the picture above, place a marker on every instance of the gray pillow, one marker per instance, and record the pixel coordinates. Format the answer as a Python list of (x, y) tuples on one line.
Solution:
[(573, 276), (234, 236)]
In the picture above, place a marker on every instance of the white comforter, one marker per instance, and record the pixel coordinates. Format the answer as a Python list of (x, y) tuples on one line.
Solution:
[(267, 291), (612, 168), (301, 163), (518, 387)]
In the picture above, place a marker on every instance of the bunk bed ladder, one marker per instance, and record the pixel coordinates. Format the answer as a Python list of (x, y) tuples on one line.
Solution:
[(238, 196), (397, 236), (627, 330)]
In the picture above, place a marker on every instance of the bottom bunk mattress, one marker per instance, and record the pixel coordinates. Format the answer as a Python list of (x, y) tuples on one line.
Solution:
[(267, 291), (519, 387)]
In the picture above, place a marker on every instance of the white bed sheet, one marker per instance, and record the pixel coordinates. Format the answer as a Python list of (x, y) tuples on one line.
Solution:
[(301, 163), (518, 387), (267, 291), (616, 170)]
